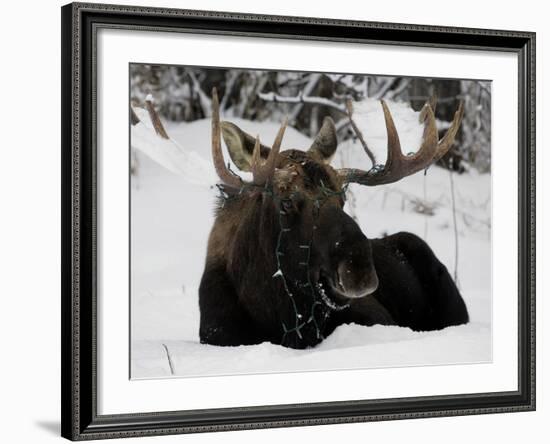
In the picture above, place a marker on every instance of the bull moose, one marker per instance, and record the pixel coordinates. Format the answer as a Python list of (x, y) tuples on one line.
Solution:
[(286, 264)]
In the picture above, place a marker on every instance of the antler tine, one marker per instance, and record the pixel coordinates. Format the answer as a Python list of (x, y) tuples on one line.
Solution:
[(265, 172), (394, 146), (256, 161), (449, 137), (424, 157), (261, 172), (432, 102), (397, 164), (226, 176), (278, 139)]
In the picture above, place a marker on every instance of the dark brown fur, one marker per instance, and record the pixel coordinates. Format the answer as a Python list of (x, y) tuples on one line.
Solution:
[(328, 272)]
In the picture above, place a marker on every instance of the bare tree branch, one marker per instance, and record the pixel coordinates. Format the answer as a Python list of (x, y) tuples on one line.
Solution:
[(134, 119), (455, 228), (358, 133), (409, 197)]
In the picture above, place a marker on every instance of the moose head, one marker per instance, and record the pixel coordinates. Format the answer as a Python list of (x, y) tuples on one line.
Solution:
[(283, 240)]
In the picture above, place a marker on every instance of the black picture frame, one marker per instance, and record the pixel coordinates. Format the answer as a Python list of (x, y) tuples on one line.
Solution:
[(79, 250)]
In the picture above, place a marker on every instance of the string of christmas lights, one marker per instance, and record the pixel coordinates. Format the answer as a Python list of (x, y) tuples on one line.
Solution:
[(321, 305)]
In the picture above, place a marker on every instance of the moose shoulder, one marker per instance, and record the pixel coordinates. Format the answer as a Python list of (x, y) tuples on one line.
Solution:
[(286, 264)]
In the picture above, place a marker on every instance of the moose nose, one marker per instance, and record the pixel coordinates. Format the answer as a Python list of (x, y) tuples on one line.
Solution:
[(356, 283)]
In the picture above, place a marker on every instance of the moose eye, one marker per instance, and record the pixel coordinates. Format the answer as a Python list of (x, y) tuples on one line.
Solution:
[(287, 205)]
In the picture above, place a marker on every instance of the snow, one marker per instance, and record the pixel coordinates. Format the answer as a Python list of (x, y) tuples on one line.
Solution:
[(369, 118), (178, 159), (171, 219)]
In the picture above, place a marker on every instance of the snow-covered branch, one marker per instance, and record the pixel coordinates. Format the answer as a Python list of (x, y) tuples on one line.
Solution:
[(308, 89), (342, 124), (206, 103), (233, 76), (383, 89), (395, 92), (272, 97)]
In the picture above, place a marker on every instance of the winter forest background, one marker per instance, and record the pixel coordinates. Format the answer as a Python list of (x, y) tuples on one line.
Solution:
[(173, 193), (182, 95)]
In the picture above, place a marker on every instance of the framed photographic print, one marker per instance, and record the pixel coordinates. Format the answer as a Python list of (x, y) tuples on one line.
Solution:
[(280, 221)]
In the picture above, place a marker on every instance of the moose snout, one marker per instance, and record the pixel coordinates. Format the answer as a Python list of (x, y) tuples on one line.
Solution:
[(352, 274), (356, 282)]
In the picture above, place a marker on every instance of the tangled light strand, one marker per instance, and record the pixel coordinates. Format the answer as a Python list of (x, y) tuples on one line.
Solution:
[(318, 296)]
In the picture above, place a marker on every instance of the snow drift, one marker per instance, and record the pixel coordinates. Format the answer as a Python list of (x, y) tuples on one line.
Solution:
[(169, 246)]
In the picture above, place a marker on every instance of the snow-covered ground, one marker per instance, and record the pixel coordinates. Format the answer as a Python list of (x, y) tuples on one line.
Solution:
[(171, 219)]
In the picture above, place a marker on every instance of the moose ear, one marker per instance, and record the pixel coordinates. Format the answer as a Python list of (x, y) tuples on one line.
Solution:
[(324, 145), (240, 146)]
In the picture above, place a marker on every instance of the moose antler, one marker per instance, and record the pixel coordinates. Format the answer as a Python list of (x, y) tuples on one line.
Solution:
[(399, 165), (262, 171)]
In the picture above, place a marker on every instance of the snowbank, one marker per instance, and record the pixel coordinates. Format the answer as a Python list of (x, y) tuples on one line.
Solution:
[(171, 219)]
